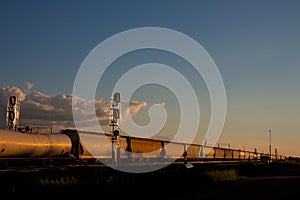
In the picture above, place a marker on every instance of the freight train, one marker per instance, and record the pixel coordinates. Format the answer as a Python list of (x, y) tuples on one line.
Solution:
[(37, 142), (80, 145)]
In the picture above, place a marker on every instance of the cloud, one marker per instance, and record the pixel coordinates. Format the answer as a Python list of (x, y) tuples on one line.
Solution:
[(28, 86), (9, 91), (37, 108), (131, 108)]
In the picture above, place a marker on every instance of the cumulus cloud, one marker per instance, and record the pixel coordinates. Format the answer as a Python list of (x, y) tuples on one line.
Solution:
[(37, 108), (9, 91), (132, 107), (28, 86)]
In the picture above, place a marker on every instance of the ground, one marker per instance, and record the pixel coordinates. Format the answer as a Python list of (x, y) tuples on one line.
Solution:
[(210, 181)]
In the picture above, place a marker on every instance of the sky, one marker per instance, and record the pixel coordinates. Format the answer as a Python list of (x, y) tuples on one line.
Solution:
[(254, 44)]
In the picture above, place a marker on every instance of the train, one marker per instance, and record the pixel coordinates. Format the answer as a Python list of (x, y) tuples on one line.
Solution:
[(39, 142), (81, 145)]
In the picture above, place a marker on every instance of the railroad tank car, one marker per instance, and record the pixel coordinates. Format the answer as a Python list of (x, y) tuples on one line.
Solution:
[(19, 144)]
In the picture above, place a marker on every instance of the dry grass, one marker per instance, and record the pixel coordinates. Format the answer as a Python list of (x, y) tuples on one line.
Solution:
[(223, 175)]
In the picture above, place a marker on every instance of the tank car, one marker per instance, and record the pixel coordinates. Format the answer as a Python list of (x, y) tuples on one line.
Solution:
[(27, 144)]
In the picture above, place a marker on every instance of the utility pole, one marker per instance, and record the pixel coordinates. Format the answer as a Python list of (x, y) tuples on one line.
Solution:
[(270, 133)]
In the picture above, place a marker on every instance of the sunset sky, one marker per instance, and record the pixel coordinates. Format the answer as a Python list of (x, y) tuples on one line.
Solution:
[(255, 45)]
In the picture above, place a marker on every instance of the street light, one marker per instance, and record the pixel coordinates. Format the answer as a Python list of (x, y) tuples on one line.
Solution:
[(270, 144)]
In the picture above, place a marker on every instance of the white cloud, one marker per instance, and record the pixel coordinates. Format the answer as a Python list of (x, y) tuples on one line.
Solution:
[(131, 108), (28, 86), (41, 109)]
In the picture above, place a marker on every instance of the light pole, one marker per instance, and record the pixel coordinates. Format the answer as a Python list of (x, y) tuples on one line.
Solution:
[(270, 144)]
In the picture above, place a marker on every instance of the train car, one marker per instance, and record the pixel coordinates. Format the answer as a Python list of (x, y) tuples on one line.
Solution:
[(228, 154), (236, 154), (23, 144), (219, 153), (207, 153), (193, 152)]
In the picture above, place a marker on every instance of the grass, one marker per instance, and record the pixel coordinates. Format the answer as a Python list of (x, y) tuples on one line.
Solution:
[(58, 181), (89, 180), (222, 175)]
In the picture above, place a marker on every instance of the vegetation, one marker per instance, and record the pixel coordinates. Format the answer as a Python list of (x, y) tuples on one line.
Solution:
[(223, 175), (90, 179)]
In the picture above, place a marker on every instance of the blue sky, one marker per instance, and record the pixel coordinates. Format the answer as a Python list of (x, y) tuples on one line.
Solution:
[(255, 45)]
